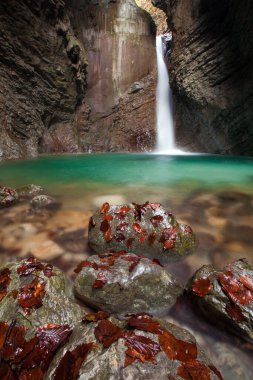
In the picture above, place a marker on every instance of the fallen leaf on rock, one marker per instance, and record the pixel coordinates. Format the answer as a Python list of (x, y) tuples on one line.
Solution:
[(100, 281), (97, 316), (72, 361), (234, 289), (31, 295), (104, 208), (177, 349), (32, 264), (156, 220), (144, 322), (235, 312), (5, 280), (140, 348), (194, 370), (201, 286), (107, 332)]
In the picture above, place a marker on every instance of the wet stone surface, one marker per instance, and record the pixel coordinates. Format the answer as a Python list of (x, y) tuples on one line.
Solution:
[(226, 297), (8, 196), (147, 229), (123, 283)]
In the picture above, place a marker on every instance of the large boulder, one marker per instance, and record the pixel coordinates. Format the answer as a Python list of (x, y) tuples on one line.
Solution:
[(34, 293), (123, 283), (139, 348), (147, 229), (226, 297)]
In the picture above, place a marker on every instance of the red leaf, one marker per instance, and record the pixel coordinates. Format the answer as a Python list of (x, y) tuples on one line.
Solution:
[(140, 348), (151, 238), (92, 224), (134, 264), (137, 228), (91, 264), (194, 370), (247, 282), (108, 217), (122, 227), (32, 265), (6, 372), (108, 235), (154, 206), (234, 289), (100, 281), (71, 363), (122, 210), (31, 295), (107, 332), (129, 242), (5, 280), (177, 349), (119, 237), (156, 220), (235, 312), (104, 226), (168, 244), (143, 236), (216, 371), (104, 208), (168, 233), (201, 286), (144, 322), (98, 316), (52, 336)]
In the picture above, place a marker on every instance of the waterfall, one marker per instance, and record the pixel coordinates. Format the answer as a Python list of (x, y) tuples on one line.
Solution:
[(164, 116)]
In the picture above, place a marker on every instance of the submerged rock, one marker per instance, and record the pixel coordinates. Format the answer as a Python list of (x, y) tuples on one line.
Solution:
[(139, 348), (29, 191), (226, 297), (147, 229), (8, 196), (123, 283), (44, 202), (34, 293)]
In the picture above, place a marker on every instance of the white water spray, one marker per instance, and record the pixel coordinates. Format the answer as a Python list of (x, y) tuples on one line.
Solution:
[(164, 114)]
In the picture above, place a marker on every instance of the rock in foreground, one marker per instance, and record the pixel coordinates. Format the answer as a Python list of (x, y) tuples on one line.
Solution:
[(140, 348), (147, 229), (123, 283), (34, 293), (226, 297)]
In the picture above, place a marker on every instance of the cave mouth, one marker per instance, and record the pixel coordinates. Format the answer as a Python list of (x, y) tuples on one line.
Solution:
[(158, 16)]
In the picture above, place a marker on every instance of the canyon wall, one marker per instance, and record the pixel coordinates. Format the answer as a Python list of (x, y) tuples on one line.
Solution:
[(68, 71), (119, 39), (211, 66)]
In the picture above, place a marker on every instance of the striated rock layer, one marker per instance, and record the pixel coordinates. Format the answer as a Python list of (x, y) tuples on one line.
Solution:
[(211, 74)]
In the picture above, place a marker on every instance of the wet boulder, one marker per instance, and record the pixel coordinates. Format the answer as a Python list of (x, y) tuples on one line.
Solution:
[(147, 229), (29, 191), (226, 297), (34, 293), (43, 201), (8, 196), (138, 348), (123, 283)]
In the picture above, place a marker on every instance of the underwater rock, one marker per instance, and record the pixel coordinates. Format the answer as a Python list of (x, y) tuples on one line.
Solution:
[(8, 196), (226, 297), (44, 202), (138, 348), (123, 283), (34, 293), (147, 229), (29, 191)]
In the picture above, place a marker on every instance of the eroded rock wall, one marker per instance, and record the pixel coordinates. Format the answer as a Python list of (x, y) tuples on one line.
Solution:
[(119, 39), (211, 67), (42, 70)]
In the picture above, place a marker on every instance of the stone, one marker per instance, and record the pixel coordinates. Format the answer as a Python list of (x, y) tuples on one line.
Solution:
[(147, 229), (8, 196), (36, 293), (136, 87), (225, 297), (29, 191), (137, 348), (44, 202), (123, 283)]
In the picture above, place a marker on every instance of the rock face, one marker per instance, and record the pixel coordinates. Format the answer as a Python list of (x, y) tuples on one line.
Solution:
[(211, 74), (8, 196), (226, 297), (43, 71), (136, 349), (123, 283), (119, 39), (148, 229)]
